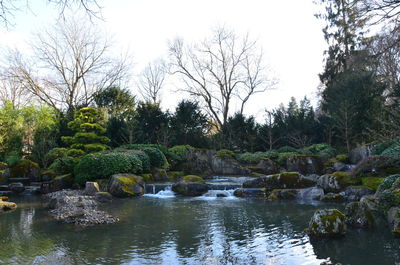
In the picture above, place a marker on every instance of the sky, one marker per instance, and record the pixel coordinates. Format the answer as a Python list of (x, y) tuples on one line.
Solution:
[(287, 31)]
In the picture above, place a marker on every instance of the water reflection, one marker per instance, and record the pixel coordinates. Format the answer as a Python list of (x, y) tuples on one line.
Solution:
[(185, 231)]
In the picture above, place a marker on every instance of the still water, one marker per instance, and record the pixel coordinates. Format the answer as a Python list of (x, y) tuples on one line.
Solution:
[(168, 230)]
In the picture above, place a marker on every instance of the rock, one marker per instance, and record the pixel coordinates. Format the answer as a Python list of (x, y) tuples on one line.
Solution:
[(221, 195), (57, 184), (103, 196), (370, 201), (6, 206), (26, 169), (327, 223), (393, 217), (286, 180), (91, 188), (205, 162), (339, 166), (16, 187), (285, 194), (125, 185), (333, 197), (191, 186), (359, 153), (335, 182), (3, 166), (355, 193), (268, 167), (159, 175), (313, 193), (304, 164), (375, 166), (71, 206), (250, 192), (358, 214)]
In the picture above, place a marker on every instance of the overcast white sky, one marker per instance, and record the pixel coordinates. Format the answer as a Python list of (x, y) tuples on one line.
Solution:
[(287, 31)]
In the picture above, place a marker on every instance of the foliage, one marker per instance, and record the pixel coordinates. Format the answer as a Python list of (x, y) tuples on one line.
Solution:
[(287, 149), (282, 158), (392, 151), (225, 154), (324, 150), (156, 156), (255, 158), (371, 182), (376, 166), (180, 152), (23, 169), (388, 182), (379, 148), (63, 165)]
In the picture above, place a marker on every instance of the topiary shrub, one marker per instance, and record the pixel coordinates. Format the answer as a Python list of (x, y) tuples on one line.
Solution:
[(144, 158), (63, 165), (75, 152), (323, 150), (180, 152), (225, 154), (156, 156), (136, 162), (100, 166), (287, 149)]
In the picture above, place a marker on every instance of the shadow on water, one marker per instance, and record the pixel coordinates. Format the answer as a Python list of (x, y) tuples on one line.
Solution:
[(188, 231)]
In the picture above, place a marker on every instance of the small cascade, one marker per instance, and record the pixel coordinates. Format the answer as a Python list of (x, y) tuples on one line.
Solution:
[(218, 194), (165, 193), (313, 193), (156, 187)]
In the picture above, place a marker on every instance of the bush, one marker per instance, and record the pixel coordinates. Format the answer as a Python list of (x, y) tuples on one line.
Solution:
[(144, 158), (392, 151), (24, 169), (13, 159), (55, 153), (100, 166), (324, 150), (282, 158), (75, 153), (157, 157), (225, 154), (376, 166), (64, 165), (287, 149), (255, 158), (94, 148), (136, 163), (379, 148), (180, 152)]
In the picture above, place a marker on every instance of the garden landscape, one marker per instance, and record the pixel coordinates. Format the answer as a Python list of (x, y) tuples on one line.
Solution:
[(199, 158)]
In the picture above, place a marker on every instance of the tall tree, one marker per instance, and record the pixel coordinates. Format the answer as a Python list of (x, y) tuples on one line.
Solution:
[(151, 81), (220, 70), (71, 62)]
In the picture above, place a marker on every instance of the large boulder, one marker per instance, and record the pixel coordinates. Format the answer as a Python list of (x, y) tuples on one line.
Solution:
[(267, 167), (26, 169), (205, 162), (305, 164), (376, 166), (336, 182), (91, 188), (250, 192), (327, 223), (286, 180), (102, 196), (58, 183), (359, 153), (355, 193), (333, 197), (283, 194), (126, 185), (388, 193), (190, 186), (358, 214)]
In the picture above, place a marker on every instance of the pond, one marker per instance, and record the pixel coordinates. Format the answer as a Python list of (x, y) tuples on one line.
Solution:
[(164, 229)]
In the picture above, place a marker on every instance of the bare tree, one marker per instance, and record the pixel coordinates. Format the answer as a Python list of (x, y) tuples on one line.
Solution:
[(12, 91), (71, 62), (382, 10), (8, 8), (219, 71), (151, 81)]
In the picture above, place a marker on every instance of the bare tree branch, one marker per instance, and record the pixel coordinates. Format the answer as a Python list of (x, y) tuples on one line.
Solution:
[(151, 81)]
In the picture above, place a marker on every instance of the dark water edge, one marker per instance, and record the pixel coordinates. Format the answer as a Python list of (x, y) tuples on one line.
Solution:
[(189, 231)]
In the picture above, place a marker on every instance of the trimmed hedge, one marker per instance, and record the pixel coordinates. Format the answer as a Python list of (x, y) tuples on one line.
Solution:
[(179, 152), (324, 150), (157, 157)]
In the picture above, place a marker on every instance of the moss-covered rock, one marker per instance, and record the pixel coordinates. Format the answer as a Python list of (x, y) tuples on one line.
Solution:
[(147, 177), (126, 185), (371, 182), (26, 169), (91, 188), (336, 182), (305, 164), (376, 166), (283, 194), (327, 223), (393, 218), (250, 192), (358, 214), (286, 180), (58, 183), (3, 165), (174, 175), (355, 193), (159, 174), (102, 196), (266, 166), (191, 186), (333, 197)]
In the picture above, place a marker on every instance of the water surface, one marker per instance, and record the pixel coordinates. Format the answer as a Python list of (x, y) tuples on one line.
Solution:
[(168, 230)]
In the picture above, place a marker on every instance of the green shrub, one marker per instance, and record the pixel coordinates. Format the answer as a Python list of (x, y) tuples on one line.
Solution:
[(94, 148), (23, 169), (180, 152), (157, 157), (100, 166), (392, 151), (13, 159), (324, 150), (55, 153), (144, 158), (136, 163), (379, 148), (225, 154), (63, 165), (287, 149), (282, 158), (75, 152)]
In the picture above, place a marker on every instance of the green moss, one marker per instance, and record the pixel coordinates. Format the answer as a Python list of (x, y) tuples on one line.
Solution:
[(193, 179), (371, 182), (255, 174), (273, 196), (23, 169), (330, 219), (127, 183), (344, 179)]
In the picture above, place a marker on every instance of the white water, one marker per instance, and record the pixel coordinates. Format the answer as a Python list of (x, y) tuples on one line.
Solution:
[(163, 194), (210, 195)]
